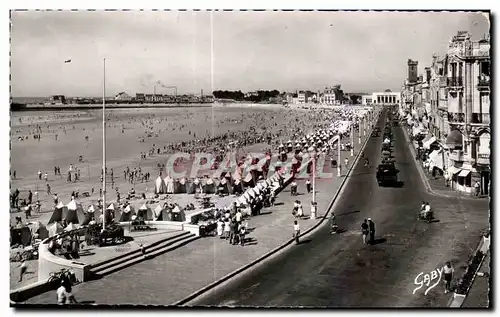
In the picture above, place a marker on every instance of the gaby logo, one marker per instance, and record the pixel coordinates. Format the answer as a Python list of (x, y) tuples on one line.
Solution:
[(426, 279)]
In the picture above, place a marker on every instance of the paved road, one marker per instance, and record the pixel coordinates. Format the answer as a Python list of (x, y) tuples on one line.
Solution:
[(339, 271)]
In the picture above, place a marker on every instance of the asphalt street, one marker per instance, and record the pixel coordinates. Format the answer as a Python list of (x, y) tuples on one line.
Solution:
[(339, 271)]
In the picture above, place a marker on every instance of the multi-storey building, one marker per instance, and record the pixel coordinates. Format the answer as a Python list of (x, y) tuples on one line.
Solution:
[(468, 80), (456, 94)]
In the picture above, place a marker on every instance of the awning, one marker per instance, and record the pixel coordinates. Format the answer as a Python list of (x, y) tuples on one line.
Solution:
[(453, 170), (464, 173), (436, 159), (454, 139), (427, 144)]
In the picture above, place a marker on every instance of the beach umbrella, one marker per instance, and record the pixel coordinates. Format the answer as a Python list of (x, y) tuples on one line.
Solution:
[(111, 207)]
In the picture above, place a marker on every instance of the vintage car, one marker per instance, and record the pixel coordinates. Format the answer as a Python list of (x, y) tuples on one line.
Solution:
[(387, 174)]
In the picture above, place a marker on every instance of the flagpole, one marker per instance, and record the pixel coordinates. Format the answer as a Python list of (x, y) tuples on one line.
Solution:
[(104, 145)]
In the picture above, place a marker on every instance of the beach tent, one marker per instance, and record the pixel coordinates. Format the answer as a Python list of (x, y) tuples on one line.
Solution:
[(73, 211), (178, 214), (209, 186), (39, 228), (237, 186), (157, 215), (223, 186), (92, 213), (20, 235), (54, 228), (248, 180), (160, 187), (169, 185), (126, 214), (145, 212), (181, 186), (71, 227), (57, 214)]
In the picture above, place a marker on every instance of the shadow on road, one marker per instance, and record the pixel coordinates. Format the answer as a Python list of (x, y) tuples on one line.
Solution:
[(379, 241), (265, 213), (348, 213), (305, 241)]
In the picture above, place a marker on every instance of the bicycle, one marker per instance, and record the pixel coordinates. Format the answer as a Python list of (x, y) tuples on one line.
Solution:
[(56, 278)]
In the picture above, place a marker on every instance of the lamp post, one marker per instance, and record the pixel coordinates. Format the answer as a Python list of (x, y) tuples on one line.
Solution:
[(338, 155), (313, 204), (104, 145), (352, 137), (359, 130), (364, 125)]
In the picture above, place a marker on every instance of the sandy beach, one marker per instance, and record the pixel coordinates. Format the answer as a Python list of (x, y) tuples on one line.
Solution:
[(125, 127)]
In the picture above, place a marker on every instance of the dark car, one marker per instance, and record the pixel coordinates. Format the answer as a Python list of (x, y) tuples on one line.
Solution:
[(387, 174)]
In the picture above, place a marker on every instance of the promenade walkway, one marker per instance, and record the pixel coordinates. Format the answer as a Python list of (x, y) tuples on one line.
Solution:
[(479, 294), (173, 276), (436, 184)]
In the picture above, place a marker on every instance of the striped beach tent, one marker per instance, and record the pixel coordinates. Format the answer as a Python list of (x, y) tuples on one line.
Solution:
[(145, 212), (157, 213), (126, 214), (57, 214), (72, 212), (160, 187)]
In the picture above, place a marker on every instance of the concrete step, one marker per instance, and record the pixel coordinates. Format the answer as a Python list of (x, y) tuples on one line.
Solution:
[(150, 253), (120, 258)]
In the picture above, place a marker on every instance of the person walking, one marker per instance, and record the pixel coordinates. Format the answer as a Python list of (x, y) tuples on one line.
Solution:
[(371, 229), (364, 231), (242, 232), (448, 276), (296, 229), (477, 187), (227, 229), (22, 270), (308, 186), (30, 197)]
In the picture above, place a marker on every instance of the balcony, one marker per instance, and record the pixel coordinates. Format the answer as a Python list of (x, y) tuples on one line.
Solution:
[(483, 82), (456, 117), (443, 82), (455, 82), (483, 159), (457, 156)]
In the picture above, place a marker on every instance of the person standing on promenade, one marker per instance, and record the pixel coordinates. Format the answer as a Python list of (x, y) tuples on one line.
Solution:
[(308, 186), (22, 270), (448, 276), (364, 231), (296, 229), (371, 228)]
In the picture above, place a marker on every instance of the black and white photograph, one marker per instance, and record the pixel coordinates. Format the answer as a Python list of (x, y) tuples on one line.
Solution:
[(250, 158)]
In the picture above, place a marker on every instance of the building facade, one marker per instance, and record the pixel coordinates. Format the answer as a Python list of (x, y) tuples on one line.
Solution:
[(455, 94), (382, 98)]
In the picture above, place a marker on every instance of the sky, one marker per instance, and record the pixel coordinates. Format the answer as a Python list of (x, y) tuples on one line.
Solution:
[(247, 51)]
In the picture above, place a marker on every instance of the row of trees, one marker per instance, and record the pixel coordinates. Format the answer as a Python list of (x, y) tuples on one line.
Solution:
[(258, 96)]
